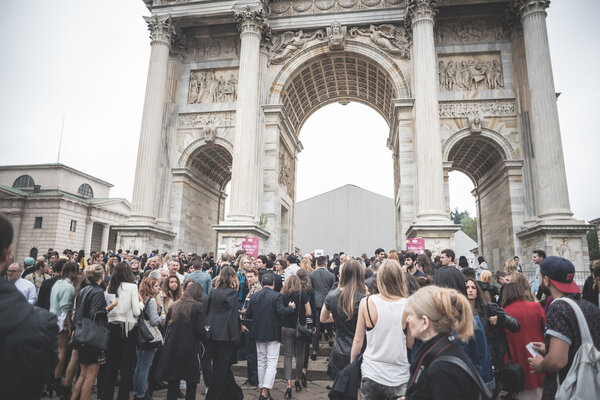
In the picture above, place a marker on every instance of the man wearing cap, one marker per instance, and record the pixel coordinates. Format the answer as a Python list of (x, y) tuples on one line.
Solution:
[(562, 337), (29, 266)]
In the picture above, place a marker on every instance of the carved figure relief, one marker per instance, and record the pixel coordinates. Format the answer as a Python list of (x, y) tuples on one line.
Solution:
[(197, 49), (287, 44), (563, 250), (286, 170), (477, 108), (468, 73), (336, 35), (203, 120), (389, 38), (213, 86), (475, 30), (295, 7), (475, 125), (210, 133)]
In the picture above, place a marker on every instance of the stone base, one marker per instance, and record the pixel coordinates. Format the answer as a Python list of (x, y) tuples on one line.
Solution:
[(556, 239), (437, 237), (231, 235), (144, 238)]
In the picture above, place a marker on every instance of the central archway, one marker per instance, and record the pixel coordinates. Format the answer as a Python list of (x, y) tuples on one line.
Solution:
[(311, 79)]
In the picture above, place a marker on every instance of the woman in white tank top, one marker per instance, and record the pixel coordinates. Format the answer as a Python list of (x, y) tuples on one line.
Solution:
[(385, 367)]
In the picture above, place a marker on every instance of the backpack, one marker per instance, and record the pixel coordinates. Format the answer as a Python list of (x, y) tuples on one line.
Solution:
[(583, 379)]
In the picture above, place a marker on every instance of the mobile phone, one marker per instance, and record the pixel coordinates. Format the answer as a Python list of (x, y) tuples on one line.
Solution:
[(534, 353)]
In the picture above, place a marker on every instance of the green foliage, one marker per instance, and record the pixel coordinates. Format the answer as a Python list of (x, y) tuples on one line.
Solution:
[(456, 216), (593, 246), (467, 223)]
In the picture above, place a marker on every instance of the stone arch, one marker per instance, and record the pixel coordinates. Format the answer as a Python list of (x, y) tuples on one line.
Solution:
[(480, 152), (189, 151), (359, 63), (211, 160)]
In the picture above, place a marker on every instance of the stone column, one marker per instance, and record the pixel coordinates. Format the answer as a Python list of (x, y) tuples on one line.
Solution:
[(428, 148), (548, 165), (87, 241), (104, 241), (148, 160), (243, 206)]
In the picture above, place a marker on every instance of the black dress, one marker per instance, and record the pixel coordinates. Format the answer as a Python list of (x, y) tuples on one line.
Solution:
[(344, 332), (180, 355)]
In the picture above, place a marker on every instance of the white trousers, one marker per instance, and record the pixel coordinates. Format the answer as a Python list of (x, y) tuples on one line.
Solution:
[(267, 354)]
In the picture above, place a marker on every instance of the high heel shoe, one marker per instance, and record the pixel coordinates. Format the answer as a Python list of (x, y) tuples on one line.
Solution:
[(54, 387), (288, 393), (303, 380), (298, 386)]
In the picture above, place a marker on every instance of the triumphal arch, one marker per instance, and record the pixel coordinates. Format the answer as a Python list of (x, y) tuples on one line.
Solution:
[(464, 85)]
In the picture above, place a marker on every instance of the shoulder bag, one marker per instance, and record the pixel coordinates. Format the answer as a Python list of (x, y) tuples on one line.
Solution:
[(511, 375), (88, 332), (150, 337), (302, 331), (583, 379)]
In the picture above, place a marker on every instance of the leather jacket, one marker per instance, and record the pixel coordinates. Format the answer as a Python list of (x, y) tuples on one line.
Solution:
[(91, 303)]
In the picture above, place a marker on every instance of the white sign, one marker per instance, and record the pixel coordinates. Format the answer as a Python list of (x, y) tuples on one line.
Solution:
[(221, 249), (319, 252)]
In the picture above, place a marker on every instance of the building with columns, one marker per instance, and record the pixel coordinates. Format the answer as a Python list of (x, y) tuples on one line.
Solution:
[(464, 85), (58, 207)]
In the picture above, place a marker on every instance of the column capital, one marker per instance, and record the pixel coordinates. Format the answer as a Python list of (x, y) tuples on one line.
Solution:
[(523, 8), (252, 20), (420, 10), (161, 28)]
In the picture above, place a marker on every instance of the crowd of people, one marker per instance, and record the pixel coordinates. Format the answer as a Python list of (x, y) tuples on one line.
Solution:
[(400, 325)]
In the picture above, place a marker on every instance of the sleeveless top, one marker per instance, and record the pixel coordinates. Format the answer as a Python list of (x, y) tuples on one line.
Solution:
[(385, 360)]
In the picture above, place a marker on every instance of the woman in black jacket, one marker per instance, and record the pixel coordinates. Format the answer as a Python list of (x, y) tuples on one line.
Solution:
[(184, 326), (435, 316), (90, 303), (223, 331)]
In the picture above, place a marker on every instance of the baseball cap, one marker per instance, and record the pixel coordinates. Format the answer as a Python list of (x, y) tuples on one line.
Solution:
[(561, 273), (29, 261)]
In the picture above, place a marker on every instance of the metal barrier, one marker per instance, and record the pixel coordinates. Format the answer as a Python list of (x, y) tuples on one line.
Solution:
[(580, 276)]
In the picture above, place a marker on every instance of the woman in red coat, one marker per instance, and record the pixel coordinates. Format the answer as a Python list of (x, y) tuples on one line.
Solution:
[(532, 318)]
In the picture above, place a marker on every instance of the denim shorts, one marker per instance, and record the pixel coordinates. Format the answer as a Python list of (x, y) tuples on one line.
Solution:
[(371, 390)]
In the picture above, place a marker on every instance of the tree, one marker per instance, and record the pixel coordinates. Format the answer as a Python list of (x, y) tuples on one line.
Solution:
[(593, 245), (468, 225), (456, 216)]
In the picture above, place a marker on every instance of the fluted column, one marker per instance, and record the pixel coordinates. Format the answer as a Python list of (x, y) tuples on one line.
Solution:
[(104, 241), (148, 161), (428, 148), (548, 165), (243, 206)]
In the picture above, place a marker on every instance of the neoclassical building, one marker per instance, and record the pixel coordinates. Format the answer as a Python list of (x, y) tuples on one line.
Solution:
[(464, 85), (56, 206)]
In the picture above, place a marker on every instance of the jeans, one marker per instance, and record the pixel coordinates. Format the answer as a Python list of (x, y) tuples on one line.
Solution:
[(140, 375), (267, 354), (371, 390), (250, 346)]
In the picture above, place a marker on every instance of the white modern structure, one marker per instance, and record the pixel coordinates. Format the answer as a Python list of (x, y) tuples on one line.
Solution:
[(58, 207), (464, 85)]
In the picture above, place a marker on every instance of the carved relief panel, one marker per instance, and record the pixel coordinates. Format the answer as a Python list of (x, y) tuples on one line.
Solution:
[(473, 30), (464, 72), (295, 7), (200, 49), (287, 170), (213, 86)]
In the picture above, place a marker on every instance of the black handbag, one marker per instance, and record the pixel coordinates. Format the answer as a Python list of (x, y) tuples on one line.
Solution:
[(302, 331), (511, 376), (144, 337), (89, 333)]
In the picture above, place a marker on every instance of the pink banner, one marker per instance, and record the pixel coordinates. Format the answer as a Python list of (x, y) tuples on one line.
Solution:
[(416, 245), (250, 246)]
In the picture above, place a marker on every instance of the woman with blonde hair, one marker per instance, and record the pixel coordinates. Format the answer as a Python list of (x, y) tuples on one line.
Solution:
[(341, 307), (510, 266), (385, 366), (306, 265), (485, 283), (438, 316)]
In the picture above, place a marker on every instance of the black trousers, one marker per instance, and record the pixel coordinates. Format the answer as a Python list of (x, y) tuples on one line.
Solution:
[(320, 329), (222, 385), (190, 392), (120, 357)]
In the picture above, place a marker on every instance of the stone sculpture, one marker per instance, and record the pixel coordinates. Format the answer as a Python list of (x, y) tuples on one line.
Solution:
[(288, 43), (469, 74), (389, 38), (208, 87), (336, 35)]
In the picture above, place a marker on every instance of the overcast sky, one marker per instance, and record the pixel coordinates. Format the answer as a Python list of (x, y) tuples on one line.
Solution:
[(87, 60)]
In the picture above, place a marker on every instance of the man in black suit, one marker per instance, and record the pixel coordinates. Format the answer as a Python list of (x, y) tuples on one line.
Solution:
[(266, 309), (321, 282)]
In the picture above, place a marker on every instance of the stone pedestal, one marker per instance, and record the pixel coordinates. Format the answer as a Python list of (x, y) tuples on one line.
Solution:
[(437, 237), (144, 238), (232, 236)]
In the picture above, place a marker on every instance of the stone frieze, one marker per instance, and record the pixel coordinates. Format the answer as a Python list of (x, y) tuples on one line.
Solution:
[(211, 119), (478, 108), (302, 7)]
